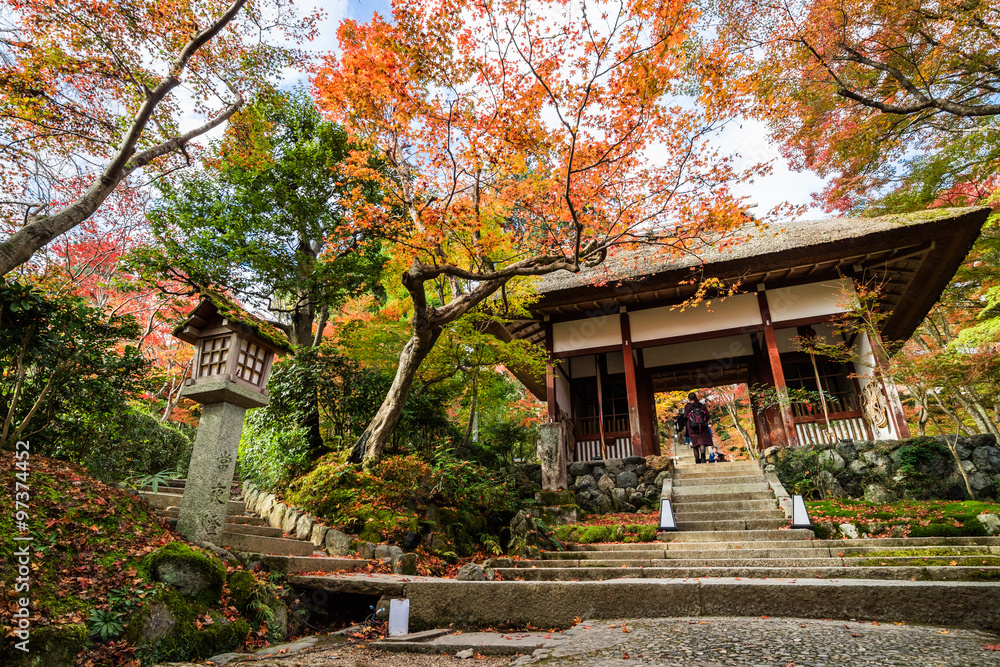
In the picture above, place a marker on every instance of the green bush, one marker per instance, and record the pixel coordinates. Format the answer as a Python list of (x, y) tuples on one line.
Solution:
[(131, 442), (271, 455), (457, 498)]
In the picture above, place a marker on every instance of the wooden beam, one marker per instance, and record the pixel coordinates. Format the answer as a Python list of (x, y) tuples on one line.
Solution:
[(631, 388), (771, 347)]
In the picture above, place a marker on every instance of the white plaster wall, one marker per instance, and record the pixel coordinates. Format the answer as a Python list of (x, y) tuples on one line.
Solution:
[(810, 300), (587, 332), (582, 367), (731, 313), (865, 370), (616, 362), (713, 349), (786, 337), (562, 394)]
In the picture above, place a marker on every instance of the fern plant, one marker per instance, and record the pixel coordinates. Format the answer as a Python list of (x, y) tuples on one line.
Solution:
[(155, 479)]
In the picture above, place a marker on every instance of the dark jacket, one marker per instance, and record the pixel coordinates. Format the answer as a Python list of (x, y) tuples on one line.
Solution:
[(698, 437)]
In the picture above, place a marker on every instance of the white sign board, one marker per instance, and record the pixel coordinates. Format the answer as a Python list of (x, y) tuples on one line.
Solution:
[(399, 617)]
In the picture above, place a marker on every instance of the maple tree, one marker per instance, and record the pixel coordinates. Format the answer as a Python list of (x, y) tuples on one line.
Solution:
[(263, 220), (523, 139), (881, 95), (94, 97)]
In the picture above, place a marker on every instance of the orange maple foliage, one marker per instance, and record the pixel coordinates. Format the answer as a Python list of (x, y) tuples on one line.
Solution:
[(95, 93), (523, 139), (858, 90)]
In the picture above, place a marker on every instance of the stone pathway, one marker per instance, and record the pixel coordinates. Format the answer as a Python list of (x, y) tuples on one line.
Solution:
[(782, 642)]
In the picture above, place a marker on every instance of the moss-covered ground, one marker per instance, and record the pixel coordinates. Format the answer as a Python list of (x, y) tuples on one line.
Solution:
[(94, 548), (906, 518)]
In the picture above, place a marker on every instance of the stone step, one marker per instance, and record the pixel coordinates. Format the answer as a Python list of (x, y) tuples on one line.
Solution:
[(689, 497), (731, 535), (883, 543), (896, 542), (230, 518), (717, 515), (265, 545), (648, 554), (165, 500), (689, 504), (704, 553), (801, 549), (721, 489), (436, 603), (903, 573), (163, 488), (747, 560), (717, 470), (686, 482), (244, 529), (684, 562), (297, 564), (732, 524)]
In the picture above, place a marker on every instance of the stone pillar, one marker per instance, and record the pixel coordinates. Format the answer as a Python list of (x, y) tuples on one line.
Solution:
[(552, 454), (206, 491)]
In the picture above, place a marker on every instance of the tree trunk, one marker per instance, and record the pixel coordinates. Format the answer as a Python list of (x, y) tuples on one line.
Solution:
[(174, 395), (979, 408), (472, 416), (733, 409), (970, 404), (369, 446)]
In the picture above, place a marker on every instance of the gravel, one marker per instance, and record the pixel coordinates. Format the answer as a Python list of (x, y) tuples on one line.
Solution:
[(784, 642)]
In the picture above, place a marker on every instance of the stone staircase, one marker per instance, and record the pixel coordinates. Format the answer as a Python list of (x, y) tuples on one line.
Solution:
[(730, 524), (250, 534)]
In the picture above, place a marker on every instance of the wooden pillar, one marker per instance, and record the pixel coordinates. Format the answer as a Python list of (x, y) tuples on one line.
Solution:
[(600, 360), (631, 388), (647, 408), (771, 347), (755, 377), (550, 377)]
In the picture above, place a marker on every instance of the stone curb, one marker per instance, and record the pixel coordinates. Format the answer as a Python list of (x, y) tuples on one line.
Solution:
[(306, 528), (555, 604)]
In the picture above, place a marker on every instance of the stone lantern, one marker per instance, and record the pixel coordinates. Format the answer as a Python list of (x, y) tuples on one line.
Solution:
[(233, 356)]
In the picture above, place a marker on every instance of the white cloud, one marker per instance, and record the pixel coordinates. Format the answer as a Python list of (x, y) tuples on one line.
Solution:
[(749, 140)]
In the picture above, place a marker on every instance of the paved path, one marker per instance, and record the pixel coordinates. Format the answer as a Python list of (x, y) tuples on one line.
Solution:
[(711, 642)]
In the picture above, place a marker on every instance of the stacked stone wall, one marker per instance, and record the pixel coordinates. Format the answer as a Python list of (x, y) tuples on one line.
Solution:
[(886, 471), (618, 485)]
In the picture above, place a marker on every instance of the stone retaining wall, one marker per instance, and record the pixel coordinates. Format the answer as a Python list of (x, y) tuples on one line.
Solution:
[(296, 523), (618, 485), (886, 471)]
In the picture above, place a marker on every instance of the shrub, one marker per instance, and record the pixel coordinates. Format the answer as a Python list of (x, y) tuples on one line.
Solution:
[(272, 455), (406, 493), (134, 442)]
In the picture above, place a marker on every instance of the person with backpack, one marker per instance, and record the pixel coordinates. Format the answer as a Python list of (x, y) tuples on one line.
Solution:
[(698, 429)]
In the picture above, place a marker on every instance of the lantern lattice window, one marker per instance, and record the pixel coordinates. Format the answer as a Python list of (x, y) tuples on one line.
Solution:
[(214, 356), (251, 362)]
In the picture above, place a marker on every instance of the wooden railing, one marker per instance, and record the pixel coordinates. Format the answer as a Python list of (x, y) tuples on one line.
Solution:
[(616, 448), (815, 432)]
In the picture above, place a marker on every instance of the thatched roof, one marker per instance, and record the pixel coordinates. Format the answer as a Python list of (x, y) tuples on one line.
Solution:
[(790, 241)]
